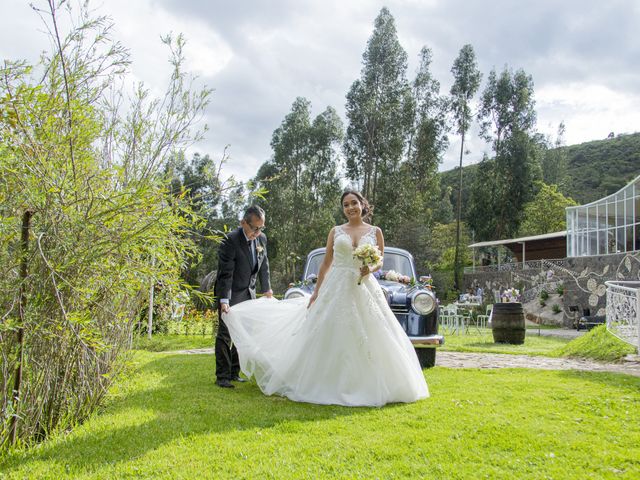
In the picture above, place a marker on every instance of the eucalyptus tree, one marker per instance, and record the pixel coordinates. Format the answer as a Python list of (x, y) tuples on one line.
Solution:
[(418, 185), (465, 85), (554, 162), (428, 135), (507, 106), (507, 119), (302, 184), (481, 216), (217, 200), (379, 113), (503, 185)]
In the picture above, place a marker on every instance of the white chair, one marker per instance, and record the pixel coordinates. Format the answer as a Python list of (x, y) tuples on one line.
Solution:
[(456, 321), (483, 320), (447, 318), (464, 320), (443, 319)]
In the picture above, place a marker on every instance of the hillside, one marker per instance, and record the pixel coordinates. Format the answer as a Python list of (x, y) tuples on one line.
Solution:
[(594, 169), (601, 167)]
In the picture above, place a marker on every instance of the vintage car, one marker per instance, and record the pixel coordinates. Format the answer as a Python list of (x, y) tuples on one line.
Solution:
[(413, 302)]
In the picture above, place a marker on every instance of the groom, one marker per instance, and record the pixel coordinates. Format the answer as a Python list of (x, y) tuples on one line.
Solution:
[(242, 258)]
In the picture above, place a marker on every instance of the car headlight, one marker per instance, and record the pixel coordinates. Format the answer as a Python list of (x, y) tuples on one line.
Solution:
[(423, 303), (294, 293)]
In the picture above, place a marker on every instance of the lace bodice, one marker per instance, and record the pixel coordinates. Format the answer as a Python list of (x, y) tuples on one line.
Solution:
[(343, 247)]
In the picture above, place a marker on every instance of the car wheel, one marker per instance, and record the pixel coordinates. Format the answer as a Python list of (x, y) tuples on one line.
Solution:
[(426, 357)]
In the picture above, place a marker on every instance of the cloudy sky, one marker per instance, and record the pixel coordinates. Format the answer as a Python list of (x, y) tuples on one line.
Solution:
[(259, 55)]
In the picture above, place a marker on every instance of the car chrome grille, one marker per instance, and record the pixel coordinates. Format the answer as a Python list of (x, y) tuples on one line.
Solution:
[(399, 309)]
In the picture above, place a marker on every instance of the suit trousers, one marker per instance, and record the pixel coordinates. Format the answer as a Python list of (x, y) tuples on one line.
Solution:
[(227, 362)]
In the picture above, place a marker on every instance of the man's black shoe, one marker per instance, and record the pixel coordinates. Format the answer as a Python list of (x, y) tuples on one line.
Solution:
[(225, 384), (239, 379)]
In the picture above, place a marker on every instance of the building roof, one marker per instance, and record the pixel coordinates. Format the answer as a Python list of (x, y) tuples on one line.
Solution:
[(544, 236)]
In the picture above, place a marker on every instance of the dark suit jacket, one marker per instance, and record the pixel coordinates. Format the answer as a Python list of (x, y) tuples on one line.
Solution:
[(236, 279)]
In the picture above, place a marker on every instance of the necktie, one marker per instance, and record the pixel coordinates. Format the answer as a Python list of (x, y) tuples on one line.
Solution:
[(253, 252)]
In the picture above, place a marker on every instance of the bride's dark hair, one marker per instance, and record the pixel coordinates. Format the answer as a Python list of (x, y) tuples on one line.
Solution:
[(367, 210)]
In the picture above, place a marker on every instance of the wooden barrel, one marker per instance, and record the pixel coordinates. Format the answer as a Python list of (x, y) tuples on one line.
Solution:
[(507, 323)]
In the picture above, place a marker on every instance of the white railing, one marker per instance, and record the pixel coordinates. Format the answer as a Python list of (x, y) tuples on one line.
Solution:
[(623, 311), (541, 265)]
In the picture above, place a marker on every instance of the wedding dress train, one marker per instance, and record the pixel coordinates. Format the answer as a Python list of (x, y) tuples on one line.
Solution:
[(346, 349)]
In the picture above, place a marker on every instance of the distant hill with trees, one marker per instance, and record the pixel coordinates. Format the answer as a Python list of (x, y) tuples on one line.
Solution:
[(601, 167), (593, 170)]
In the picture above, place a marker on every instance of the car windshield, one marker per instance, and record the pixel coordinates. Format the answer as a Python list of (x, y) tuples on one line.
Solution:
[(392, 261)]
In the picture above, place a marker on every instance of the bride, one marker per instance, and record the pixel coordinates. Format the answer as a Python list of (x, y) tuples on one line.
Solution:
[(342, 346)]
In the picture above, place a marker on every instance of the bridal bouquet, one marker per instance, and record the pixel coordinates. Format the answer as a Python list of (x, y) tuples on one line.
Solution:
[(369, 255)]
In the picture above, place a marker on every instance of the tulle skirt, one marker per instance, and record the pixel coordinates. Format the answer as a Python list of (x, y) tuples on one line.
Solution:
[(346, 349)]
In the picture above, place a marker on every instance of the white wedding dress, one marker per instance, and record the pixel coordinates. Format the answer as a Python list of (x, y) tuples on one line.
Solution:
[(346, 349)]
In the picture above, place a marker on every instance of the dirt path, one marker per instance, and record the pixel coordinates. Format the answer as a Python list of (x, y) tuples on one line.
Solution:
[(496, 360)]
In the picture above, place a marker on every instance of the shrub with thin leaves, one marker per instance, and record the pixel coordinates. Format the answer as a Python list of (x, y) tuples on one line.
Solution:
[(86, 226)]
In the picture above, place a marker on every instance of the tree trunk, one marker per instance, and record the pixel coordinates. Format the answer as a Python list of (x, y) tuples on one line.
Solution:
[(457, 277), (26, 225)]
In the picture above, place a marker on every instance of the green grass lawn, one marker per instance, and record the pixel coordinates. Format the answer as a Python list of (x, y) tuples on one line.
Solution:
[(473, 341), (167, 343), (598, 344), (169, 420), (482, 341)]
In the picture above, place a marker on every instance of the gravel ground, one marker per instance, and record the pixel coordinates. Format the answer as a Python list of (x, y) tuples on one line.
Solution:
[(496, 360)]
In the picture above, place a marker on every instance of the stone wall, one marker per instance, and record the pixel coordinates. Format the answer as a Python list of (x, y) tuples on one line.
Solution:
[(583, 279), (587, 288)]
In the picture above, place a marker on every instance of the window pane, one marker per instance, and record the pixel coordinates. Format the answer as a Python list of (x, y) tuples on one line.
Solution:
[(620, 240), (629, 211), (602, 242), (582, 220), (611, 240), (593, 218), (582, 245), (611, 214), (593, 243), (629, 246)]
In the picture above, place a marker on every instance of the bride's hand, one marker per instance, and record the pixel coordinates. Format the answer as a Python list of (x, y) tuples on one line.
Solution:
[(312, 299), (364, 271)]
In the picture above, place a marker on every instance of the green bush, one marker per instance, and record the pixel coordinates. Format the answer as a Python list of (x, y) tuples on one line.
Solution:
[(543, 303), (544, 295), (556, 308), (560, 290), (83, 185), (597, 344)]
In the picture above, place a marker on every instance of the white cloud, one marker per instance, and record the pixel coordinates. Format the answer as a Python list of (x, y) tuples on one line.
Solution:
[(260, 55), (590, 111), (140, 25)]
